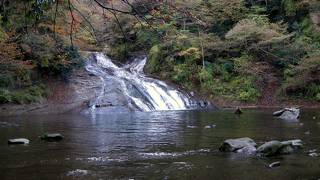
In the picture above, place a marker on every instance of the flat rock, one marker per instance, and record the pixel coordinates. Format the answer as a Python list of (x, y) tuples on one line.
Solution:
[(232, 145), (18, 141), (52, 137)]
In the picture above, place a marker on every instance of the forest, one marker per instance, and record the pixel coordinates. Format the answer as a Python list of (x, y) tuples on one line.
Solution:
[(259, 52)]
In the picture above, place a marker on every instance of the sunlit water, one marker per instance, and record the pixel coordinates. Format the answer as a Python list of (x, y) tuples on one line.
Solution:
[(155, 145)]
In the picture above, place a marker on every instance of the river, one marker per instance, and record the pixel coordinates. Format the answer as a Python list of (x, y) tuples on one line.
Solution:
[(155, 145)]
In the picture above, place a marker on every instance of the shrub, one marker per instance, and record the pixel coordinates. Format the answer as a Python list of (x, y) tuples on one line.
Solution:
[(6, 80), (154, 59), (24, 96), (306, 79), (5, 96), (242, 63), (51, 57)]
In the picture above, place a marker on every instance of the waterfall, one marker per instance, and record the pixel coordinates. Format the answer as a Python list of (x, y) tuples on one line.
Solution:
[(139, 91)]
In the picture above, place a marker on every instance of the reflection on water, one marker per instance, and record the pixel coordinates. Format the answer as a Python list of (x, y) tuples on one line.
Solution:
[(155, 145)]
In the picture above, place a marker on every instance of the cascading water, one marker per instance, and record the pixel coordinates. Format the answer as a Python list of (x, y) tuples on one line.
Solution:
[(137, 90)]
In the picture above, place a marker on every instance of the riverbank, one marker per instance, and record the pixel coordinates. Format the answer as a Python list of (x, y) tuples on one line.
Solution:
[(75, 95), (63, 97)]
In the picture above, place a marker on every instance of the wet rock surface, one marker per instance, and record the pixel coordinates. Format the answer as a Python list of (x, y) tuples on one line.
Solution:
[(274, 164), (18, 141), (232, 145), (73, 95), (238, 111), (52, 137), (273, 148), (288, 113), (248, 150), (268, 149)]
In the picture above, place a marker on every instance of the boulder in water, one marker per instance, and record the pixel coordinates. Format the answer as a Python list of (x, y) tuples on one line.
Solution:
[(18, 141), (52, 137), (273, 148), (232, 145), (238, 111), (288, 113)]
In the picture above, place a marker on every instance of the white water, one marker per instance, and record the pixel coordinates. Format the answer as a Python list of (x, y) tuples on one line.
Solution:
[(141, 92)]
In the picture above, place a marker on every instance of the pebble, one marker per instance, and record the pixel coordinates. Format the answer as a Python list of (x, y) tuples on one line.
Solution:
[(312, 151), (192, 127), (274, 164), (314, 154), (18, 141), (78, 172), (307, 133), (210, 126)]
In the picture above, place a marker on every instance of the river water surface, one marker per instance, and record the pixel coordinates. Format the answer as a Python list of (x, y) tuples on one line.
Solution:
[(155, 145)]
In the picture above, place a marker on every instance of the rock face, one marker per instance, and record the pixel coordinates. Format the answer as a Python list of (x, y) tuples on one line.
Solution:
[(73, 95), (288, 113), (234, 145), (18, 141), (52, 137), (273, 148)]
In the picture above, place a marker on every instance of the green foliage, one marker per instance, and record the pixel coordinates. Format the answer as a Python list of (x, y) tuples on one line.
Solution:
[(305, 79), (242, 63), (309, 30), (290, 7), (25, 96), (181, 73), (51, 57), (5, 96), (318, 97), (154, 59), (6, 80), (248, 92)]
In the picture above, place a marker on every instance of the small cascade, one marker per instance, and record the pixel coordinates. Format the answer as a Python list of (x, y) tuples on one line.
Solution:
[(136, 89)]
